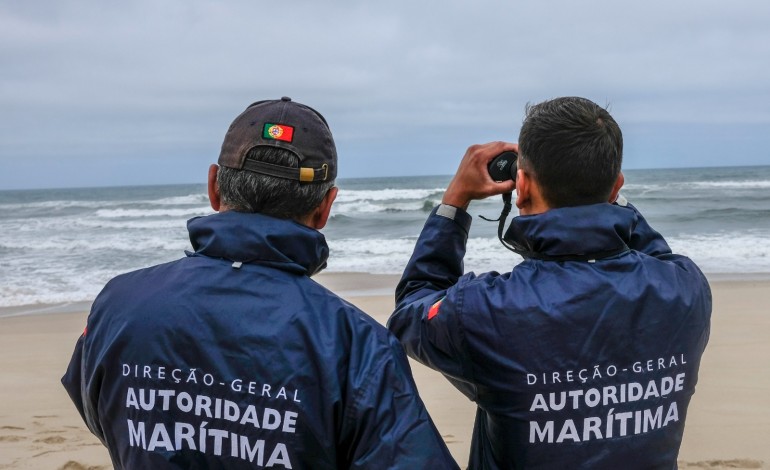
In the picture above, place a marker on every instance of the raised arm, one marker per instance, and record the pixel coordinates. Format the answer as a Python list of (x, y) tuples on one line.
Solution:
[(428, 315)]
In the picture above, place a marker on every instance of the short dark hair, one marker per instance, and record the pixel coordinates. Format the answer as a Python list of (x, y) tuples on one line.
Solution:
[(574, 149), (246, 191)]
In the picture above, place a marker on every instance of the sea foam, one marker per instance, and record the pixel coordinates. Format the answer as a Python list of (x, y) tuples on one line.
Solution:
[(64, 245)]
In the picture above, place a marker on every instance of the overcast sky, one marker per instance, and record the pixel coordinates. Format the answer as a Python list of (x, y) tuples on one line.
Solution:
[(142, 92)]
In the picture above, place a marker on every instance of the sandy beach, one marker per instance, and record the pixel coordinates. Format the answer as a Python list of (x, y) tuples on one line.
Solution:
[(728, 423)]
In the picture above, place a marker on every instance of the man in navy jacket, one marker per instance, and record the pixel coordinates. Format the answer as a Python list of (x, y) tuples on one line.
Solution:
[(586, 354), (233, 357)]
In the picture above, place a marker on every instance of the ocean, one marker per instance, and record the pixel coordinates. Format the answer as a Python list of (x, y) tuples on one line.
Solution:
[(60, 246)]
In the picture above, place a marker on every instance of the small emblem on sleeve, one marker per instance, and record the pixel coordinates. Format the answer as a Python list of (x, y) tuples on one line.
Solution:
[(278, 132), (433, 311)]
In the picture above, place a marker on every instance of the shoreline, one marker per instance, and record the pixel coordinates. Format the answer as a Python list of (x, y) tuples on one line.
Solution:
[(728, 420), (345, 284)]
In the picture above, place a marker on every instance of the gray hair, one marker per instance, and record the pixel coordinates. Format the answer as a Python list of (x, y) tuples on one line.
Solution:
[(246, 191)]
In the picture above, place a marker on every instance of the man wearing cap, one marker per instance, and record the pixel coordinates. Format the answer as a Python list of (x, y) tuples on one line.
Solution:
[(233, 357)]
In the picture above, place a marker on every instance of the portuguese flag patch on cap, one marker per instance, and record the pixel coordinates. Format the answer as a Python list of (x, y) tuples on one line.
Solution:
[(278, 132)]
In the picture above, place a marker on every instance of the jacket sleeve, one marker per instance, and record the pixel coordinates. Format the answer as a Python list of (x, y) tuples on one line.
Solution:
[(72, 377), (427, 319), (388, 425), (83, 387)]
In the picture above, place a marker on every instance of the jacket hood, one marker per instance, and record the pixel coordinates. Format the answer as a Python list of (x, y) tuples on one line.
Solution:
[(579, 231), (259, 239)]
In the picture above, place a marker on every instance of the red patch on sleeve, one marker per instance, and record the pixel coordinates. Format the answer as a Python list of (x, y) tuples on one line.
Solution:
[(433, 311)]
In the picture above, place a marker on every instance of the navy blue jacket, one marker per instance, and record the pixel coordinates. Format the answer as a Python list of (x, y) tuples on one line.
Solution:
[(234, 358), (572, 363)]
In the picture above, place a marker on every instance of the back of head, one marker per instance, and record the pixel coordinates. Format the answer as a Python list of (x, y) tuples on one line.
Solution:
[(573, 148), (278, 158)]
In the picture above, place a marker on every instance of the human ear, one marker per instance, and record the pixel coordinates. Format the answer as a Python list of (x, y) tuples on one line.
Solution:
[(523, 188), (213, 188), (616, 188), (321, 214)]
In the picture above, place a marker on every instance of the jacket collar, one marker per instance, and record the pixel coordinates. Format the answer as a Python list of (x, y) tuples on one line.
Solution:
[(580, 232), (259, 239)]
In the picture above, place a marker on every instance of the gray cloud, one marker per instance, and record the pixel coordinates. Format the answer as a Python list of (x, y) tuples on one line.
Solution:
[(97, 92)]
